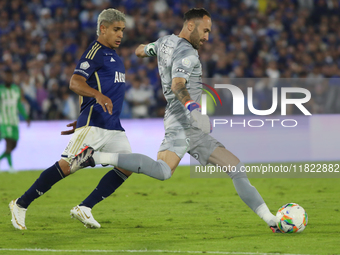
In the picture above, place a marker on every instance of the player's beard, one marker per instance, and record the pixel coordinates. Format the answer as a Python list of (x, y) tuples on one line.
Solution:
[(195, 39)]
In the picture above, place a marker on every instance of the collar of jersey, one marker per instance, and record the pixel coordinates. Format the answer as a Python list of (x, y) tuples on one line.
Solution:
[(105, 47), (184, 40)]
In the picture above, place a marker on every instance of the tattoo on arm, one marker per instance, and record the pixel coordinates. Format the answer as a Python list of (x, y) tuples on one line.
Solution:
[(181, 92)]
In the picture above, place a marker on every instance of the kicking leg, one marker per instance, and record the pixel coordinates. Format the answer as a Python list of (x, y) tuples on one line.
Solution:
[(170, 158), (134, 162), (161, 169), (174, 144), (245, 190)]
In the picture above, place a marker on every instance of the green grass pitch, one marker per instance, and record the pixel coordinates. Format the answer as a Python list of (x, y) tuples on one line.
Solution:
[(182, 215)]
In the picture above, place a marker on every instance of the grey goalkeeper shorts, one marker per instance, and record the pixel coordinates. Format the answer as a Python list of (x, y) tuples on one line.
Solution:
[(193, 140)]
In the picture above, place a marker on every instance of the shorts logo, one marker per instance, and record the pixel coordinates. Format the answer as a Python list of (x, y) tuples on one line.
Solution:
[(84, 65), (195, 155), (186, 62), (69, 145)]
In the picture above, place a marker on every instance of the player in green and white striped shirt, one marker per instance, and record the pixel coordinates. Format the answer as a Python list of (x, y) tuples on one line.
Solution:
[(10, 105)]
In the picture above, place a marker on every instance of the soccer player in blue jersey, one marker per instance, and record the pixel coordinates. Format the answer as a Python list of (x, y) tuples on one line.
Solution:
[(99, 80)]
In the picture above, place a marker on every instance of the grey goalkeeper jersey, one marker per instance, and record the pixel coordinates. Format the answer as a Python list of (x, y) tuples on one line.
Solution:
[(177, 58)]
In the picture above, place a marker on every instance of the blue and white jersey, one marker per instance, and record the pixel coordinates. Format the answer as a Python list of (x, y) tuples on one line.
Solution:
[(104, 71)]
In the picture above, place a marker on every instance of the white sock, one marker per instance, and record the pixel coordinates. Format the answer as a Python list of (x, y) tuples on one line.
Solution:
[(106, 158), (266, 215)]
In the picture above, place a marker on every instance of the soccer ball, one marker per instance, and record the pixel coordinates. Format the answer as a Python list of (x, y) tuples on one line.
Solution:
[(291, 218)]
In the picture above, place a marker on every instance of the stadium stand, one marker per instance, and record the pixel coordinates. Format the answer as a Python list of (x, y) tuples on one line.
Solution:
[(41, 41)]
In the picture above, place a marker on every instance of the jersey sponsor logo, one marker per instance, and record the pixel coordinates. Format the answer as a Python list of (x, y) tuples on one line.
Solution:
[(81, 71), (162, 61), (112, 60), (186, 62), (85, 65), (119, 77), (166, 49), (182, 71)]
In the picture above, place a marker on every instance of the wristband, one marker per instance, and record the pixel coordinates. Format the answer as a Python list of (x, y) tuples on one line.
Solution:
[(192, 105)]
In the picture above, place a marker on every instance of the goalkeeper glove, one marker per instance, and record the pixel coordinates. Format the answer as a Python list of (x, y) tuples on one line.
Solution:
[(197, 119), (150, 50)]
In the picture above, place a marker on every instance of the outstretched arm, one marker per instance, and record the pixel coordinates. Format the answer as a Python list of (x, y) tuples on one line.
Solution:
[(140, 51), (146, 50)]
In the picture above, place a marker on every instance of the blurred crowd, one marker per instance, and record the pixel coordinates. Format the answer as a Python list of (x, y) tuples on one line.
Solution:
[(42, 40)]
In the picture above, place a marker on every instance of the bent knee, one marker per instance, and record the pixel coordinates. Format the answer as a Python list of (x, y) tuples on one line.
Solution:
[(127, 173), (65, 167), (166, 175), (165, 170)]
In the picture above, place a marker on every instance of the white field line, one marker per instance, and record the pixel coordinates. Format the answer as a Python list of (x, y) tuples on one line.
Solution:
[(148, 251)]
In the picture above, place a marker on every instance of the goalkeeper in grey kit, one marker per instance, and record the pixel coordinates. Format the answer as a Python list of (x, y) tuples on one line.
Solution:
[(186, 129)]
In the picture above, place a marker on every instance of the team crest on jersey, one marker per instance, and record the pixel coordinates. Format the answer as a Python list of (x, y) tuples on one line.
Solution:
[(84, 65), (186, 62)]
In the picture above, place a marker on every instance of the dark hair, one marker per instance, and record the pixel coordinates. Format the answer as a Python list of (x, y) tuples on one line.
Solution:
[(196, 13)]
